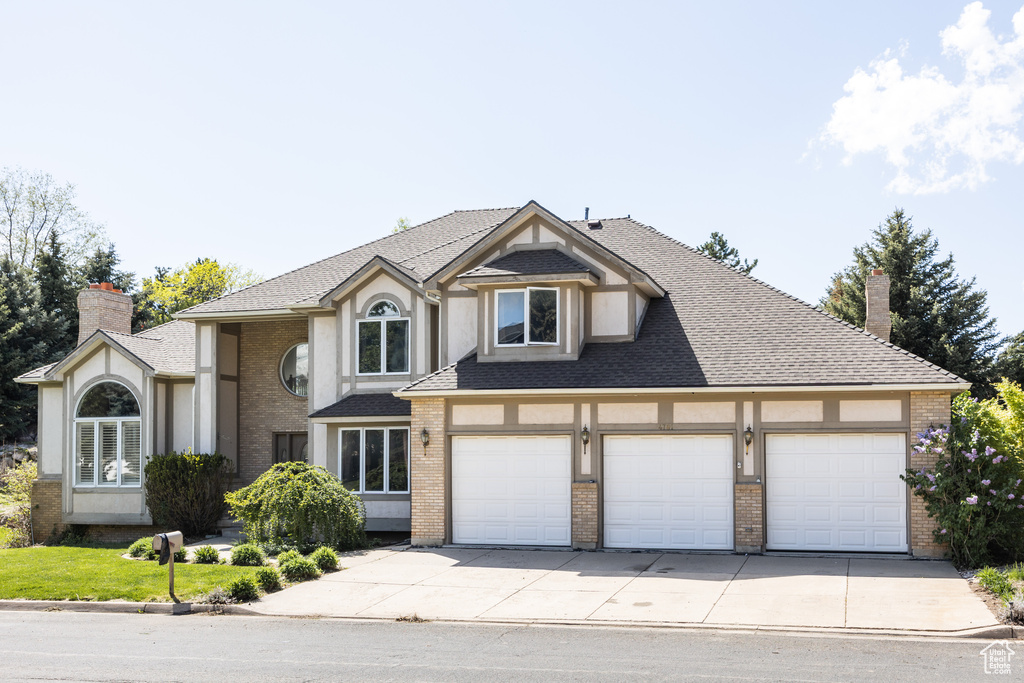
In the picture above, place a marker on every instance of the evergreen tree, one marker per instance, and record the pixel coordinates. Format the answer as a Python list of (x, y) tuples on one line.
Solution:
[(718, 248), (58, 290), (102, 266), (935, 315), (1010, 363), (29, 337)]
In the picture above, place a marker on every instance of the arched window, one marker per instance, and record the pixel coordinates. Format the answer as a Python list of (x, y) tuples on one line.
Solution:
[(383, 344), (108, 437)]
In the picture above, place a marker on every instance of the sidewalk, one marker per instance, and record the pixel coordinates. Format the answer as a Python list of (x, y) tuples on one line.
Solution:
[(856, 594)]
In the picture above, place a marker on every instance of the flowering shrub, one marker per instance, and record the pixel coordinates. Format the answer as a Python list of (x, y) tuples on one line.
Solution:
[(974, 492)]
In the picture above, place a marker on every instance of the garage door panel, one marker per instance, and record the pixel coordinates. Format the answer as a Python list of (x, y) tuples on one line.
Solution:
[(511, 490), (668, 492), (836, 492)]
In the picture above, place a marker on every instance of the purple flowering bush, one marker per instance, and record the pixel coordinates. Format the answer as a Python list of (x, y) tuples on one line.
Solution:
[(975, 490)]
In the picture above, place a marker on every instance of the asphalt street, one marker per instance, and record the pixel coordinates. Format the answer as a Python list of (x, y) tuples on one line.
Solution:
[(144, 647)]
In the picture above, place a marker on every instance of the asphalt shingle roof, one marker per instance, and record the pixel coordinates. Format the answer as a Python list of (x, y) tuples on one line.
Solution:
[(536, 262), (366, 405), (170, 347), (421, 249), (715, 327)]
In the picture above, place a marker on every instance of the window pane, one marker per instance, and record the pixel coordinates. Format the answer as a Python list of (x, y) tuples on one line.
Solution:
[(398, 345), (510, 317), (382, 309), (108, 454), (295, 370), (350, 459), (131, 453), (398, 460), (544, 316), (374, 460), (369, 347), (85, 459), (108, 399)]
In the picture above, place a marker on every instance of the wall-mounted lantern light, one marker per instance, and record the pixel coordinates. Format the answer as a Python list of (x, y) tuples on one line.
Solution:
[(425, 437), (585, 437), (748, 437)]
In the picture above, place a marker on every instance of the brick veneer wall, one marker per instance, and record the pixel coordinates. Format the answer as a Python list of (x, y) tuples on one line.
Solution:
[(264, 405), (584, 515), (103, 309), (749, 520), (927, 409), (428, 473), (46, 508)]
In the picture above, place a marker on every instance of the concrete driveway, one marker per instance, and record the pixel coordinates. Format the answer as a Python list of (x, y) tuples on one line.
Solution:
[(640, 588)]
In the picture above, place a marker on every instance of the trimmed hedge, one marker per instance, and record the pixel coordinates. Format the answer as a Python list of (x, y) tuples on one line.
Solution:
[(185, 491)]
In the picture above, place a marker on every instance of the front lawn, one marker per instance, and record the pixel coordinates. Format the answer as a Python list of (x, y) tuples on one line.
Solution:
[(80, 573)]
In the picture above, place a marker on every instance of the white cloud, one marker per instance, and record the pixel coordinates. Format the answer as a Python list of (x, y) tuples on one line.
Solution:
[(939, 135)]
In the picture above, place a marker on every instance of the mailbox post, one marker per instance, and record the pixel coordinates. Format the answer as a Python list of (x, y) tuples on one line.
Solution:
[(167, 544)]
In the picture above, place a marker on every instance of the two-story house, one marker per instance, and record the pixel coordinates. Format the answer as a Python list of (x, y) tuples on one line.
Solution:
[(505, 377)]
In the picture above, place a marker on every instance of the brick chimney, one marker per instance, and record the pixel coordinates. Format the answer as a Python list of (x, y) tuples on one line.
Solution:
[(101, 307), (877, 321)]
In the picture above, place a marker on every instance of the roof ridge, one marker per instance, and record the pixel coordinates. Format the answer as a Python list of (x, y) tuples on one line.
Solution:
[(328, 258), (798, 300), (445, 244)]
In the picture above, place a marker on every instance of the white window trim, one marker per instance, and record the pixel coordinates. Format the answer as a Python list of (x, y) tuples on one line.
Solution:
[(383, 345), (96, 465), (526, 316), (280, 369), (95, 421), (387, 457)]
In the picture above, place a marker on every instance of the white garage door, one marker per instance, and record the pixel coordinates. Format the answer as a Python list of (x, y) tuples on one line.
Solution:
[(668, 492), (511, 490), (836, 492)]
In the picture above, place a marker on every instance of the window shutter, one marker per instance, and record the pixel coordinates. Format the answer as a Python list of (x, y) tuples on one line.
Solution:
[(85, 460), (108, 454), (131, 453)]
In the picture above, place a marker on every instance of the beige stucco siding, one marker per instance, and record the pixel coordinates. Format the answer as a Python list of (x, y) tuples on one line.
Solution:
[(51, 435)]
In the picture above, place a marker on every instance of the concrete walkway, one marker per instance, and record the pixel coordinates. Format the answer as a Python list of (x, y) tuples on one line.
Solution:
[(640, 588)]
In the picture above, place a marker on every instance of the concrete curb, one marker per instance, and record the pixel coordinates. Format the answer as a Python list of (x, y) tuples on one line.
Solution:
[(996, 632), (119, 607)]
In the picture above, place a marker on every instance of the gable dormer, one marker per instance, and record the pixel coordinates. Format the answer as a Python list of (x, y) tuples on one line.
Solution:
[(537, 288)]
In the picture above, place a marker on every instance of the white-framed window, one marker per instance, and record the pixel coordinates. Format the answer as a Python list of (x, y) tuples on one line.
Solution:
[(108, 437), (294, 369), (374, 459), (526, 316), (383, 341)]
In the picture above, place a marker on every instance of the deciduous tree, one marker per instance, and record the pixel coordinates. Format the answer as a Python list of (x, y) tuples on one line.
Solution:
[(34, 206)]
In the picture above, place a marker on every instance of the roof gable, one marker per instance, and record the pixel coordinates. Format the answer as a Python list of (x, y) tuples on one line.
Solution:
[(532, 209)]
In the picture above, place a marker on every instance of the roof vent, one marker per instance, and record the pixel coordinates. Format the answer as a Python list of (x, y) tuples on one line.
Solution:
[(586, 212), (594, 224)]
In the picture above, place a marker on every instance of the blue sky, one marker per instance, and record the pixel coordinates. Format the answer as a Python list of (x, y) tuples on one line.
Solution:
[(275, 134)]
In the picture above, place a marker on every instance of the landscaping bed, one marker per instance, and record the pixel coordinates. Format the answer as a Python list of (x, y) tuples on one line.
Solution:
[(1003, 588)]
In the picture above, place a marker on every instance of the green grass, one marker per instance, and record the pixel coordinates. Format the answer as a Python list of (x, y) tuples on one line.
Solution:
[(89, 573)]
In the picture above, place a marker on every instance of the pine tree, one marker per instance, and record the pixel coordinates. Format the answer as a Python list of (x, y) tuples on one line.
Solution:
[(102, 266), (29, 335), (58, 290), (935, 315), (1010, 363), (718, 248)]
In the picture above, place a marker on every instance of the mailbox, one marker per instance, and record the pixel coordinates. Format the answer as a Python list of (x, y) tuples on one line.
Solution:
[(174, 539)]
